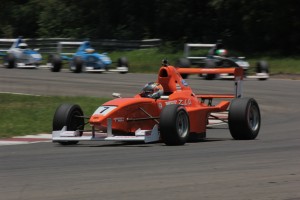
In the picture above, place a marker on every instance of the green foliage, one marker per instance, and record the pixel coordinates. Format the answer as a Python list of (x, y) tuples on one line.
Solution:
[(149, 60), (7, 31), (57, 14), (250, 26), (146, 60)]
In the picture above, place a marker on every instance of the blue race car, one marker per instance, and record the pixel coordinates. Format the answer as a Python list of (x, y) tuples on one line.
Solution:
[(86, 60), (20, 56)]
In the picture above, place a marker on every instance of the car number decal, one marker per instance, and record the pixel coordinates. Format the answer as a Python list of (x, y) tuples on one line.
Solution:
[(104, 110)]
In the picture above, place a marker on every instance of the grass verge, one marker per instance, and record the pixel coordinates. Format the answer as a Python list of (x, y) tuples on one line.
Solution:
[(149, 61), (24, 114)]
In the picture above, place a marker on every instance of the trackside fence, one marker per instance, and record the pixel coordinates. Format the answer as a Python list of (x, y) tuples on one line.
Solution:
[(49, 45)]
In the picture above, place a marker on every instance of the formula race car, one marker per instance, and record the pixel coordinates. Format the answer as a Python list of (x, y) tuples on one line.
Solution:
[(166, 110), (218, 58), (85, 59), (19, 55)]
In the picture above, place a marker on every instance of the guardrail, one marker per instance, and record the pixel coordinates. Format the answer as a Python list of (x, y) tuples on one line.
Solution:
[(49, 45)]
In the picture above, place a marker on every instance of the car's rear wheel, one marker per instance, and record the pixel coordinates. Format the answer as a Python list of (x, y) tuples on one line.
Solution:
[(56, 63), (71, 116), (174, 125), (244, 119)]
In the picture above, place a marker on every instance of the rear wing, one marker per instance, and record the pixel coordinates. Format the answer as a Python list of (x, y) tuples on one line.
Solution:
[(237, 72), (5, 45), (67, 45), (187, 50), (189, 47)]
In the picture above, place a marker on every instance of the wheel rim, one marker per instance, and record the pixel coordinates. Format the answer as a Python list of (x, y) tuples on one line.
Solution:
[(253, 117), (76, 121), (182, 124)]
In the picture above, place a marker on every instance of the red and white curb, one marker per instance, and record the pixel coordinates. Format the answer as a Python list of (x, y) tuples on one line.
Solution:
[(28, 139)]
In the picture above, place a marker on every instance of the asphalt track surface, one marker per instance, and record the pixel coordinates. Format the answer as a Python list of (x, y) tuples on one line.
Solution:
[(218, 168)]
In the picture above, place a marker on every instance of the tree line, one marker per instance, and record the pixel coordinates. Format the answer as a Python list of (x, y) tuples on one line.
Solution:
[(246, 25)]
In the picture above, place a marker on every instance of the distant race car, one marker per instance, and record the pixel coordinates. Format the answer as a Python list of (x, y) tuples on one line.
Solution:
[(85, 59), (218, 58), (166, 110), (20, 56)]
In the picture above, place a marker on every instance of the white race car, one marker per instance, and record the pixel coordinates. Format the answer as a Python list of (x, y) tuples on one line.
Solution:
[(20, 56)]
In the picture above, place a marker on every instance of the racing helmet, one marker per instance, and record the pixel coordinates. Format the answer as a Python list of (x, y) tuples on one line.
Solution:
[(23, 45), (152, 90), (221, 52), (89, 50)]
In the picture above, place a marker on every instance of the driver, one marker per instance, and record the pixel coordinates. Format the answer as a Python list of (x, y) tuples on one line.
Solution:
[(23, 45), (152, 90), (218, 49), (221, 52)]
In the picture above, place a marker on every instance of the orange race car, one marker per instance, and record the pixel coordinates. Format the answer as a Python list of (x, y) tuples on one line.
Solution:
[(166, 110)]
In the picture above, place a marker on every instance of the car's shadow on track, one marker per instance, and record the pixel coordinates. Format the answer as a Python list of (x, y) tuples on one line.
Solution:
[(140, 144)]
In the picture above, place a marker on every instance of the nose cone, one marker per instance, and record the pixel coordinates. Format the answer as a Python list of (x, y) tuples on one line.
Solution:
[(96, 119)]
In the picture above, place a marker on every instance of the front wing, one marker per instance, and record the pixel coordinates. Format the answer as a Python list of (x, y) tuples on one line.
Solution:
[(146, 136)]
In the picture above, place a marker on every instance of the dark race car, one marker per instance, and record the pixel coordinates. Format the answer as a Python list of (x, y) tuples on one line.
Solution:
[(217, 57)]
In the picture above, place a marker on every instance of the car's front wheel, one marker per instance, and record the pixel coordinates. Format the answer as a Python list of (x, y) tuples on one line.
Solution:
[(210, 64), (183, 63), (262, 67), (123, 62), (78, 63), (174, 125), (71, 116), (11, 61)]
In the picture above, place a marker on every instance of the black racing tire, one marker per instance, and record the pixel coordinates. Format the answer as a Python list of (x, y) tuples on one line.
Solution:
[(174, 125), (262, 67), (78, 63), (123, 62), (56, 63), (183, 63), (244, 119), (69, 115), (11, 60), (211, 64), (210, 77)]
